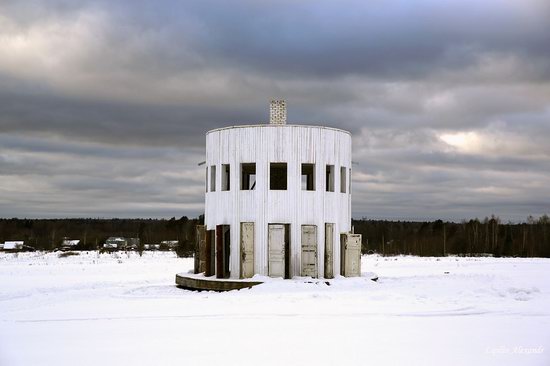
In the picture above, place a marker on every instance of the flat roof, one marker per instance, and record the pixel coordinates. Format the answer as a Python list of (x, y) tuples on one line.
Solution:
[(278, 126)]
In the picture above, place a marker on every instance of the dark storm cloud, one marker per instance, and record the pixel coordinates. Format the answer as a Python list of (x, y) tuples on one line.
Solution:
[(112, 122), (382, 39), (104, 104), (68, 179)]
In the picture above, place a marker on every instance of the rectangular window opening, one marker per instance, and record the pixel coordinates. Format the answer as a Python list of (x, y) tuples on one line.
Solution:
[(330, 178), (343, 179), (206, 181), (226, 183), (248, 176), (213, 178), (308, 177), (277, 176)]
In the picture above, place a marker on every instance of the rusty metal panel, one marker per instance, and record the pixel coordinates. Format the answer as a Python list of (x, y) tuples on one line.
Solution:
[(219, 251), (351, 255), (309, 251), (343, 241), (200, 249), (226, 251), (223, 251), (276, 244), (196, 258), (247, 249), (210, 253), (329, 250)]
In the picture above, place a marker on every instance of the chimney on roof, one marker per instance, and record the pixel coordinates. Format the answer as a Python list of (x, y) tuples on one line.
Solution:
[(277, 112)]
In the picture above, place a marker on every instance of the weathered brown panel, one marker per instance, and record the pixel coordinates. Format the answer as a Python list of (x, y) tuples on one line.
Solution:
[(226, 250), (200, 249), (219, 251), (209, 254), (343, 241)]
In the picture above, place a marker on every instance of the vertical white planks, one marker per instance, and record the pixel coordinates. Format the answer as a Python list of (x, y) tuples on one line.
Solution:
[(293, 144)]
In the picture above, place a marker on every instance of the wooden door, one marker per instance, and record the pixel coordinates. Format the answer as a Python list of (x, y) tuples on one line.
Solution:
[(329, 250), (351, 255), (309, 251), (276, 249), (247, 249)]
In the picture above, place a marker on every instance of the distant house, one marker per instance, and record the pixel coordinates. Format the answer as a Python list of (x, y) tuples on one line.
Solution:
[(121, 243), (169, 244), (115, 243), (132, 243), (151, 246), (68, 244), (14, 246)]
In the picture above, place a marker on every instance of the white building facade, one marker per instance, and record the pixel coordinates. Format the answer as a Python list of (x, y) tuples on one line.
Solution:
[(278, 197)]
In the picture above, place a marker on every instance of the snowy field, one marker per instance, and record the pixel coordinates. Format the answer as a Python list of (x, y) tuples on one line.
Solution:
[(122, 309)]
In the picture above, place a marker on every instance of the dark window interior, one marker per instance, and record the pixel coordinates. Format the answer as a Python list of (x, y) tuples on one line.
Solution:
[(226, 183), (278, 176), (308, 177), (330, 178), (248, 176), (213, 178)]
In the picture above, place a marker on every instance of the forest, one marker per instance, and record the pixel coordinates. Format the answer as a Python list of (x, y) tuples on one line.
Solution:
[(468, 238), (47, 234), (475, 237)]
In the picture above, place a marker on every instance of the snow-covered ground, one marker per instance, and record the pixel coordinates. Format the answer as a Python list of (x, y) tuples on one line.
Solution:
[(122, 309)]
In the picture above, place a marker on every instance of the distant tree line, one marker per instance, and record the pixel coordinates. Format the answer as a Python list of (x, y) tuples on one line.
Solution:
[(469, 238), (435, 238), (48, 234)]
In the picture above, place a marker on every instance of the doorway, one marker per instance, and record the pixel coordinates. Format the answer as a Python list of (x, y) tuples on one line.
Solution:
[(278, 250), (210, 255), (329, 250), (350, 257), (247, 249), (223, 246), (309, 251)]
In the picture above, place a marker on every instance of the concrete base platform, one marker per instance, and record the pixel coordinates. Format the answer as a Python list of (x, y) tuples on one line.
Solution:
[(198, 282)]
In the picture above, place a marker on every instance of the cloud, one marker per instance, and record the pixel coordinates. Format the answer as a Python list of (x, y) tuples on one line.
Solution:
[(104, 105)]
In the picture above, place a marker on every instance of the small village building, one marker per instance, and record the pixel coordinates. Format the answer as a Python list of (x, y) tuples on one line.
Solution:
[(278, 201), (68, 244), (114, 243), (169, 244), (151, 246), (132, 243), (121, 243), (14, 246)]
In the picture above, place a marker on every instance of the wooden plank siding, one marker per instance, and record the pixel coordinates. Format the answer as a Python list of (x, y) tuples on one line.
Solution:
[(293, 145)]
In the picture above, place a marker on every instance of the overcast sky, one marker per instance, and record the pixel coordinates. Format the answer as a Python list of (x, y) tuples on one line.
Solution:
[(104, 104)]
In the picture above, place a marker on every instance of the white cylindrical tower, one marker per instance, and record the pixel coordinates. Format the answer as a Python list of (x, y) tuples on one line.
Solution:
[(277, 198)]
